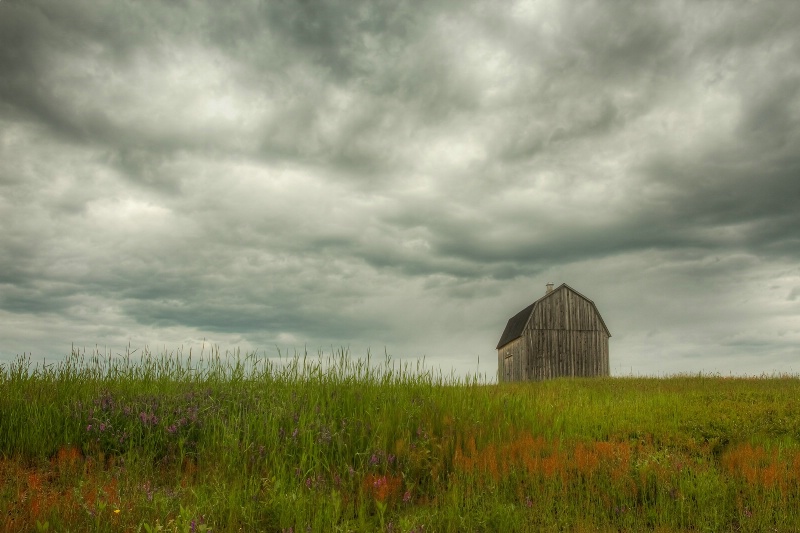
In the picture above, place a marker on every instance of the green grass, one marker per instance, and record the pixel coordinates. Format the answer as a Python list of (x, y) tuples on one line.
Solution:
[(231, 442)]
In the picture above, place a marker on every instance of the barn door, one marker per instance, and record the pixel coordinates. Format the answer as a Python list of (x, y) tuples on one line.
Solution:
[(508, 366)]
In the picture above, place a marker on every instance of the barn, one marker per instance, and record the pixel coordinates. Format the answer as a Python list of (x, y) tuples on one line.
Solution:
[(560, 334)]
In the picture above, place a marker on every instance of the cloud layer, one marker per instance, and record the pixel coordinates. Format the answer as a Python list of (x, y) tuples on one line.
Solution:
[(401, 175)]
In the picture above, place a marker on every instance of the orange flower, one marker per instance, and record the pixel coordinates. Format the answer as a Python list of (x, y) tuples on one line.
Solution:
[(382, 488)]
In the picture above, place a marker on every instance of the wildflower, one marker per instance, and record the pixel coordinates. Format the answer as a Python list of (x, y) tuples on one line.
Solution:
[(325, 435), (117, 511), (102, 427), (148, 419), (407, 496), (374, 460), (89, 427), (172, 429), (148, 490)]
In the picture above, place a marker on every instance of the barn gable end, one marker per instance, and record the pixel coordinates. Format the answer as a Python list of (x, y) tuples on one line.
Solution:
[(560, 334)]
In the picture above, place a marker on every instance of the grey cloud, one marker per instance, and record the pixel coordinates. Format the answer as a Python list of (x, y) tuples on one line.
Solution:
[(381, 172), (146, 168), (770, 117)]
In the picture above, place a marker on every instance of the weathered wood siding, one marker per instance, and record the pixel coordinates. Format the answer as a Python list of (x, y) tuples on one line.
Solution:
[(564, 336), (555, 353), (511, 361), (564, 309)]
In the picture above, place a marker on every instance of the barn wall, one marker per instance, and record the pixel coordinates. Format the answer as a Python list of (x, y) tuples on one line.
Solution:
[(555, 353), (565, 337), (564, 309), (511, 361)]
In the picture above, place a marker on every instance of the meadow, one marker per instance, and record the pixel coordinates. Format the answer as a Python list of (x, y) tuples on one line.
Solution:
[(229, 442)]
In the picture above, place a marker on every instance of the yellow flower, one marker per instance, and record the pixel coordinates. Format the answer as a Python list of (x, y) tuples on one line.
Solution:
[(116, 511)]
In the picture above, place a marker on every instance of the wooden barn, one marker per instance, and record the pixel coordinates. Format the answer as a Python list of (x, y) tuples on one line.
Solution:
[(560, 334)]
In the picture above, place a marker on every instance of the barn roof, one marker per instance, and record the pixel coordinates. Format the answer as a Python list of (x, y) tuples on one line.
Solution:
[(516, 324)]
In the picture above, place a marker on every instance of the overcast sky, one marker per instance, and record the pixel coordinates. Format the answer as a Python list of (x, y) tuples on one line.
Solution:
[(401, 176)]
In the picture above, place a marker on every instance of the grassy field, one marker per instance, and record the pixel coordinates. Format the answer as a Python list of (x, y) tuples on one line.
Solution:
[(218, 443)]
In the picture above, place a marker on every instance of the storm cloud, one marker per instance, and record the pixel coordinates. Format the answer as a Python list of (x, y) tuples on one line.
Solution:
[(401, 176)]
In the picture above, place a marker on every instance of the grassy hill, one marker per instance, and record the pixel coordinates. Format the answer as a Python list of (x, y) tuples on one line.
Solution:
[(221, 443)]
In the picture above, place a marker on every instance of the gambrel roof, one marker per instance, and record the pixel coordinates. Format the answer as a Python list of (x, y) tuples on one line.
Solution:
[(516, 324)]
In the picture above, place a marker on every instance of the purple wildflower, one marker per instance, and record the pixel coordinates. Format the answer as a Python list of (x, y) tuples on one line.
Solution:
[(148, 419)]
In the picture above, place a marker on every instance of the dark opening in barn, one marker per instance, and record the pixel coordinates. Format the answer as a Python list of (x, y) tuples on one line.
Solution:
[(561, 334)]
